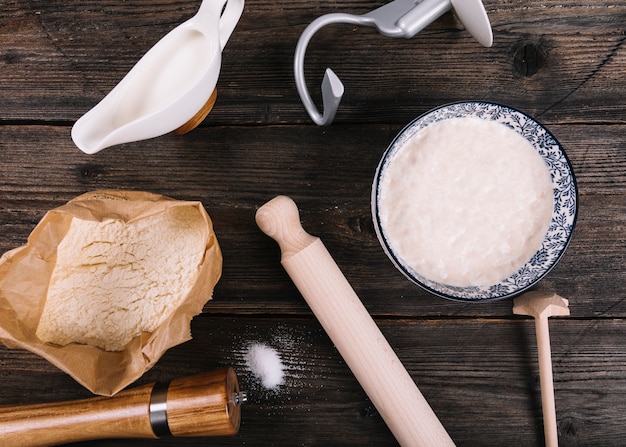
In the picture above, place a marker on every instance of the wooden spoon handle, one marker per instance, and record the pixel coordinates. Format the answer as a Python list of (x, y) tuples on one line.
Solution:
[(201, 405), (547, 385), (348, 324)]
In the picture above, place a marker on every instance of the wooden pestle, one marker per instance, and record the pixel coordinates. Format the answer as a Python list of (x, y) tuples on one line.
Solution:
[(541, 305), (201, 405), (348, 324)]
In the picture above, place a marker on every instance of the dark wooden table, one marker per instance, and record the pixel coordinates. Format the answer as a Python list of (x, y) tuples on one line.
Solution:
[(564, 62)]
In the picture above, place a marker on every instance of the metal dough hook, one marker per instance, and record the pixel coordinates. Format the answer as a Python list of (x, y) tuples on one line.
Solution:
[(399, 18)]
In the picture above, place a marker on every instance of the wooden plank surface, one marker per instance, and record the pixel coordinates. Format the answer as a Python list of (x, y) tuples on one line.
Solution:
[(333, 192), (563, 62), (479, 396)]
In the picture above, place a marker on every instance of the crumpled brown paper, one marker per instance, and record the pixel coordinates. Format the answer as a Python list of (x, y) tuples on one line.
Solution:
[(25, 274)]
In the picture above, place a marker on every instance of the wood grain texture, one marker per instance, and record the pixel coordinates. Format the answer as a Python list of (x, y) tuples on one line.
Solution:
[(68, 55), (56, 423), (202, 405), (234, 170), (477, 374), (560, 61)]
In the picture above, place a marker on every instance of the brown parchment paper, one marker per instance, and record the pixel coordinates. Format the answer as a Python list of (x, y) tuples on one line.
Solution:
[(25, 274)]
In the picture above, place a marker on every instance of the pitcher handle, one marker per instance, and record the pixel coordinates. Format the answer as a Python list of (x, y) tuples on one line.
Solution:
[(230, 16)]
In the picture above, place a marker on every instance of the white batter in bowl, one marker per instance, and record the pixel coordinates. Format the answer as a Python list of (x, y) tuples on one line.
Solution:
[(474, 201)]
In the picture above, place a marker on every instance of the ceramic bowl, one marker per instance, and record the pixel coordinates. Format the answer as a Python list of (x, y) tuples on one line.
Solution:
[(564, 211)]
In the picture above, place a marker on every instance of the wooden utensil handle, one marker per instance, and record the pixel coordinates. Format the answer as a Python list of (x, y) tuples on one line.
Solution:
[(546, 381), (348, 324), (201, 405)]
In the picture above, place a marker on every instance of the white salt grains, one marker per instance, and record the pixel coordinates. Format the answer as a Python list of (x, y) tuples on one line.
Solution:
[(265, 364)]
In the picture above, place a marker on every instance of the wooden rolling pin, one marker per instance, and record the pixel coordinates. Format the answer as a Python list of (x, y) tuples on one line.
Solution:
[(348, 324), (201, 405)]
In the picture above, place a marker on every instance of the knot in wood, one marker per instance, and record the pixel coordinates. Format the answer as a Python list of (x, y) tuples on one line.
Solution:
[(528, 58), (89, 173), (362, 225)]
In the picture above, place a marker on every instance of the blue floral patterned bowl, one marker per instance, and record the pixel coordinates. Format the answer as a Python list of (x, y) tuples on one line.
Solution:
[(564, 211)]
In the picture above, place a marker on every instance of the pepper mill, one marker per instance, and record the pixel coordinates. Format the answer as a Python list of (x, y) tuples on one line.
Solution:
[(206, 404)]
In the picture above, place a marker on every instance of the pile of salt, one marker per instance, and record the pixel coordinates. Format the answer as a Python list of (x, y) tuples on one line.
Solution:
[(265, 364)]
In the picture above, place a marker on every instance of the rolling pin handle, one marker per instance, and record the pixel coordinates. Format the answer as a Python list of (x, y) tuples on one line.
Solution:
[(280, 219)]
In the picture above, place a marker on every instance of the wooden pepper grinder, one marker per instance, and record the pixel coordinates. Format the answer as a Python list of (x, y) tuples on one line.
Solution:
[(202, 405)]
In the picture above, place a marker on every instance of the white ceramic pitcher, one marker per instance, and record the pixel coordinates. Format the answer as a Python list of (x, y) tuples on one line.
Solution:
[(168, 86)]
